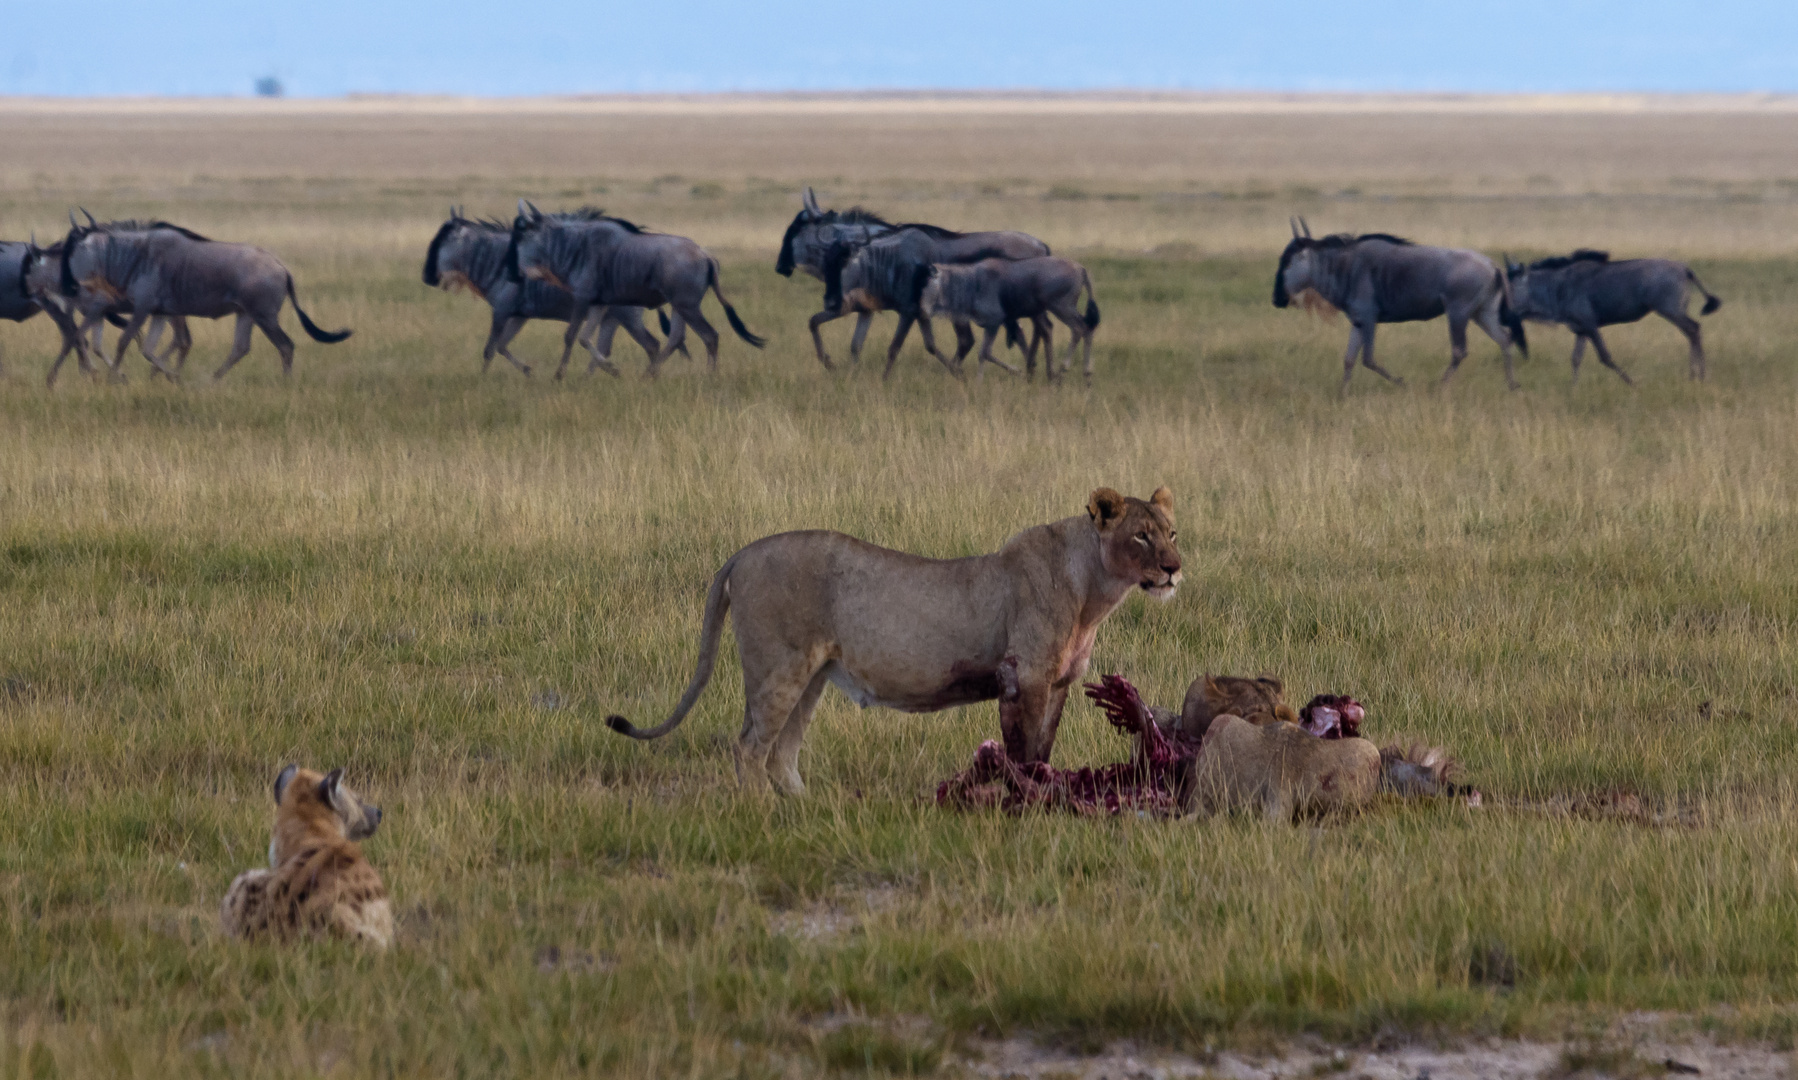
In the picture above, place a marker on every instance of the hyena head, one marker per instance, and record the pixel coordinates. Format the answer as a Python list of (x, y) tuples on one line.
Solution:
[(310, 807)]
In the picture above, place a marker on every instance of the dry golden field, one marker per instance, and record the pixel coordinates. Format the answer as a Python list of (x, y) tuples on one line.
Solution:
[(442, 581)]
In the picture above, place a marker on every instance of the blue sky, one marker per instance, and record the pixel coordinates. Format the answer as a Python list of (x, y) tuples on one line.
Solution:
[(332, 47)]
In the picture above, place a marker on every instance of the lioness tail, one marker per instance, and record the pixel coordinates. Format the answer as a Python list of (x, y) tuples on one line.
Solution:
[(717, 603)]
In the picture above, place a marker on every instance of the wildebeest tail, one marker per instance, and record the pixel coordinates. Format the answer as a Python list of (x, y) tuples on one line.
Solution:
[(729, 312), (717, 605), (1711, 303), (1092, 301), (662, 317), (312, 329), (1507, 315)]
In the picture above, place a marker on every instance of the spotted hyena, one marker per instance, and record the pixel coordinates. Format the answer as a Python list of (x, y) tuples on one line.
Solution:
[(318, 883)]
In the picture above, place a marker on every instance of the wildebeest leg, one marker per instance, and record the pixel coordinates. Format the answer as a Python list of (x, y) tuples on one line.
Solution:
[(1457, 344), (1488, 319), (147, 346), (986, 353), (1367, 354), (784, 761), (499, 341), (709, 336), (1349, 357), (1604, 355), (905, 322), (964, 343), (863, 321), (71, 341), (184, 343), (1695, 366), (600, 345), (575, 319), (126, 336), (1579, 353), (645, 339), (271, 329), (820, 319), (240, 345), (930, 343)]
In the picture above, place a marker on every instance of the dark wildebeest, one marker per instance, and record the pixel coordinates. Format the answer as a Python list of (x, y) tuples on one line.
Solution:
[(889, 272), (998, 292), (37, 283), (471, 254), (1586, 290), (823, 242), (605, 261), (16, 302), (165, 270), (95, 309), (1376, 278)]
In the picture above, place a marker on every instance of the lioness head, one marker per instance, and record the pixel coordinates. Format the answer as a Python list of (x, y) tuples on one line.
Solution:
[(311, 806), (1137, 539)]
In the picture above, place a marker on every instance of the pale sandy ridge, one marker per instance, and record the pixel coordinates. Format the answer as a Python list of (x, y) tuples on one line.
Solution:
[(928, 102)]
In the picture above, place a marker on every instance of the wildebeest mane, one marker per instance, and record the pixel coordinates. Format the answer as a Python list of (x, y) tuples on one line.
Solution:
[(935, 232), (136, 225), (1333, 242), (1561, 262)]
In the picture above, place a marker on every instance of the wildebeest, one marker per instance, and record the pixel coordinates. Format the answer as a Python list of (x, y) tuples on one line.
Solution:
[(470, 254), (824, 242), (93, 310), (1586, 290), (889, 273), (998, 292), (16, 302), (1376, 278), (161, 269), (606, 261)]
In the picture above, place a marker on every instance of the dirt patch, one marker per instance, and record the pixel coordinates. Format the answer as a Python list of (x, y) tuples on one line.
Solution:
[(1494, 1059)]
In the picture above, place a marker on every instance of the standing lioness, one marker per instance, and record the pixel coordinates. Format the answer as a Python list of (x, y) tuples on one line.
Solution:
[(920, 634)]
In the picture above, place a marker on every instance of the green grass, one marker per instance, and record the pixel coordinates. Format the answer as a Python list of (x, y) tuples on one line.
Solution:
[(441, 582)]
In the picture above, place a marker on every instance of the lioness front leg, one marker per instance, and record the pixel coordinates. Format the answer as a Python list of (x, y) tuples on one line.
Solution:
[(1029, 710)]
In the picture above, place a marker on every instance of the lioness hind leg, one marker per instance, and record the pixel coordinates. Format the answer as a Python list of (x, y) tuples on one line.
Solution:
[(784, 763), (771, 702)]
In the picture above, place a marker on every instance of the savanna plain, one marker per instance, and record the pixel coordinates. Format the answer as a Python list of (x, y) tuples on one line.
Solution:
[(441, 580)]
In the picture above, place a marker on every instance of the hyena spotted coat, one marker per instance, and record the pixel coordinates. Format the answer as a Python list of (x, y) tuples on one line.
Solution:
[(319, 883)]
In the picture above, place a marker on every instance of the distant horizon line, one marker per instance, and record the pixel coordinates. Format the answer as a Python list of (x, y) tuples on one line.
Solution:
[(900, 99)]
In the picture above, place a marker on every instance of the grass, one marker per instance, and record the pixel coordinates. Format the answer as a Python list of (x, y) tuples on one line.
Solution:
[(441, 581)]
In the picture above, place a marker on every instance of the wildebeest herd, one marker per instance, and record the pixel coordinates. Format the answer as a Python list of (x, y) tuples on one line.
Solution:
[(599, 273)]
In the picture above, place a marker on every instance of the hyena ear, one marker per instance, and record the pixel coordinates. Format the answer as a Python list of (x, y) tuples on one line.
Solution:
[(328, 787), (1105, 507), (1164, 499), (281, 782)]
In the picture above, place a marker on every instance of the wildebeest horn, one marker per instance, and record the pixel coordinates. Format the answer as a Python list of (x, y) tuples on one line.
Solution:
[(92, 224), (810, 200), (73, 224), (1305, 225), (1294, 222)]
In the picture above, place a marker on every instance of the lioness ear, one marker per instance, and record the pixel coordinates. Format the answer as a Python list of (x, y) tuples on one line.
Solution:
[(1105, 507), (1164, 499), (282, 780)]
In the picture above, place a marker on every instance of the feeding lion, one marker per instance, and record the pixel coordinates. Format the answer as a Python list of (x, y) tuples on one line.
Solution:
[(920, 635)]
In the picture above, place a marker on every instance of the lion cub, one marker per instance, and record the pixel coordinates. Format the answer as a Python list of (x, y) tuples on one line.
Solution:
[(319, 882)]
